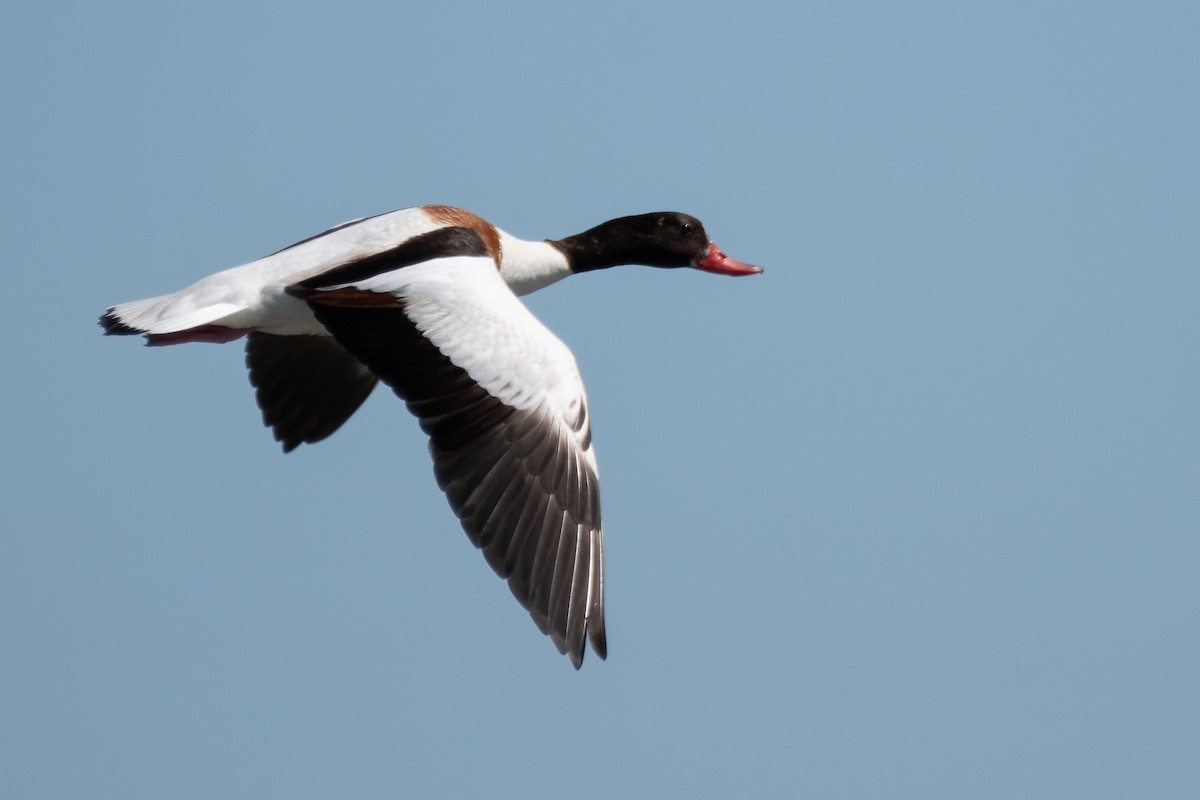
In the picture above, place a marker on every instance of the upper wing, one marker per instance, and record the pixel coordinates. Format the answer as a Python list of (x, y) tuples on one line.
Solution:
[(503, 404)]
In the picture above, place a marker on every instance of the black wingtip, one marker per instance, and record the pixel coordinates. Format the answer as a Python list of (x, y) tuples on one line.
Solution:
[(113, 326), (599, 639)]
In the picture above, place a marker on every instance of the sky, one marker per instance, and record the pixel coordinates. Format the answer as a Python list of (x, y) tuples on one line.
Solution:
[(913, 514)]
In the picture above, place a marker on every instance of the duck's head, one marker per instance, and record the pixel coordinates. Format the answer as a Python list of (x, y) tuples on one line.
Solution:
[(658, 239)]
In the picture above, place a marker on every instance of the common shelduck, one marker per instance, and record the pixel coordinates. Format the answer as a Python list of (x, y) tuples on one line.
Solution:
[(425, 299)]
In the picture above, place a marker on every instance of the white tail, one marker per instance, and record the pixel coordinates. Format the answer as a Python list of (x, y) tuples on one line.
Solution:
[(168, 313)]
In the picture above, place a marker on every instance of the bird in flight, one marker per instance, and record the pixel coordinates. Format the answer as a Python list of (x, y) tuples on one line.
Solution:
[(425, 300)]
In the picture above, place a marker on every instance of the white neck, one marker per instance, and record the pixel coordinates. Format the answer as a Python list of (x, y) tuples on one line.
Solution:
[(528, 266)]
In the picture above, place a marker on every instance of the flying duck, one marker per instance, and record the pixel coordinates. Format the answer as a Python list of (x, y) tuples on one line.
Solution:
[(425, 299)]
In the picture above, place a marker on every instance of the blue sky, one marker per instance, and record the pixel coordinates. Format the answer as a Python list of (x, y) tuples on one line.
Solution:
[(913, 514)]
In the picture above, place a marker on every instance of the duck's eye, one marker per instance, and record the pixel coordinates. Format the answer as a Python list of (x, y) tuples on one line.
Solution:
[(686, 227)]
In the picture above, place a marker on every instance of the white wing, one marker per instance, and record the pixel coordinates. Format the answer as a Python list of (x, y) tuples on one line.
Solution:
[(504, 406)]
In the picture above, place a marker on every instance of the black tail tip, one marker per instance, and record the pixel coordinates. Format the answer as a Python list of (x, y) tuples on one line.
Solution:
[(113, 326)]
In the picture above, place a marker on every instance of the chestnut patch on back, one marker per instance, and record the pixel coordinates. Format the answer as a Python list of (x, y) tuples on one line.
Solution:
[(461, 218)]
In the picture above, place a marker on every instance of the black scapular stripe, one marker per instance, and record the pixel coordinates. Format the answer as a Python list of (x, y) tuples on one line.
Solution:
[(442, 243)]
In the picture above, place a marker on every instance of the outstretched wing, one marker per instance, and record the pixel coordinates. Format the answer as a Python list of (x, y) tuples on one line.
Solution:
[(504, 406)]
